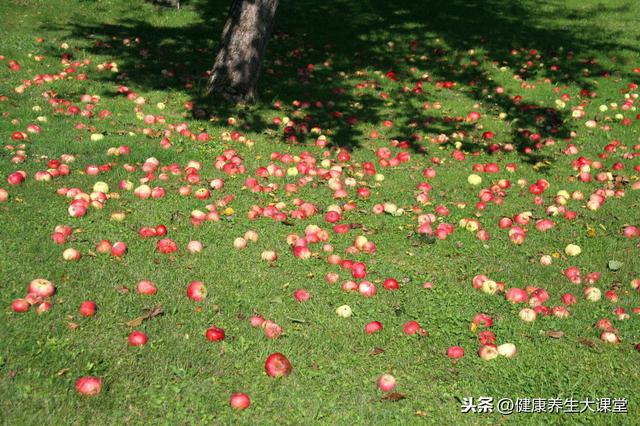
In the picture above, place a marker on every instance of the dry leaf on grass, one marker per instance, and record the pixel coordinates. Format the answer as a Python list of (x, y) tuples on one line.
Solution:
[(394, 396), (148, 314)]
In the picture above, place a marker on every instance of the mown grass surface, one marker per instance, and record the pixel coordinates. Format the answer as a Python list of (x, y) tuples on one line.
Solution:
[(181, 378)]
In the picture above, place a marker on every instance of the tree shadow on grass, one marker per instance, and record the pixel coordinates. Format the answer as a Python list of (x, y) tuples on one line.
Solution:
[(314, 42)]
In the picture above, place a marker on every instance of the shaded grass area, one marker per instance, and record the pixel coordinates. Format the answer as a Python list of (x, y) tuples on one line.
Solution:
[(352, 35)]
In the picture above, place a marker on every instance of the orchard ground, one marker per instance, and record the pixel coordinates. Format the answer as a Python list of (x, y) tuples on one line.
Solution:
[(555, 81)]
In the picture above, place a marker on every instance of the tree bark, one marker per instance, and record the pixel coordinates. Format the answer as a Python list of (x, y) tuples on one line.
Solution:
[(244, 42)]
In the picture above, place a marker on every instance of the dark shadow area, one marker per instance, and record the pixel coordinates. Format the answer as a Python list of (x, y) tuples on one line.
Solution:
[(313, 42)]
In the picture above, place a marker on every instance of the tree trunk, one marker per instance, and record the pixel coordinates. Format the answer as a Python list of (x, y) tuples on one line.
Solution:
[(244, 42)]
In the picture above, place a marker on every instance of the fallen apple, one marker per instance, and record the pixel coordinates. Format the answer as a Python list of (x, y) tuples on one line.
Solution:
[(88, 308), (146, 287), (20, 305), (344, 311), (488, 351), (386, 382), (277, 365), (455, 352), (507, 350), (239, 401), (214, 334), (373, 327), (527, 315), (41, 288), (197, 291), (137, 338), (88, 385), (572, 250)]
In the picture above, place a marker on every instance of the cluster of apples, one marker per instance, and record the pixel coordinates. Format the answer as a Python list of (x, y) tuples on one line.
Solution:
[(70, 70), (270, 328), (39, 294), (348, 183), (81, 201)]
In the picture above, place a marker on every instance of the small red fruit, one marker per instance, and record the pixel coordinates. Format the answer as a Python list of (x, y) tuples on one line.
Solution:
[(455, 352), (240, 401), (413, 327), (41, 288), (214, 334), (391, 284), (277, 365), (118, 249), (197, 291), (147, 287), (137, 338), (386, 382), (88, 308), (166, 246), (373, 327), (20, 305), (301, 295), (89, 386), (486, 337)]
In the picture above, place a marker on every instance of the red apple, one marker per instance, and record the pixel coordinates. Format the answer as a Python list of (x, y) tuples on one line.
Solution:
[(516, 295), (166, 246), (214, 334), (58, 238), (367, 289), (413, 327), (118, 249), (89, 386), (43, 307), (277, 365), (455, 352), (137, 338), (271, 329), (147, 288), (88, 308), (373, 327), (33, 299), (197, 291), (359, 270), (391, 284), (482, 320), (41, 288), (560, 312), (104, 246), (147, 232), (604, 324), (240, 401), (256, 321), (386, 382), (20, 305), (486, 336), (569, 299), (71, 254), (301, 295)]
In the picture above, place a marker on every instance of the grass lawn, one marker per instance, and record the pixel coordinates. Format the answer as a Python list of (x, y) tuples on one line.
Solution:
[(554, 84)]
